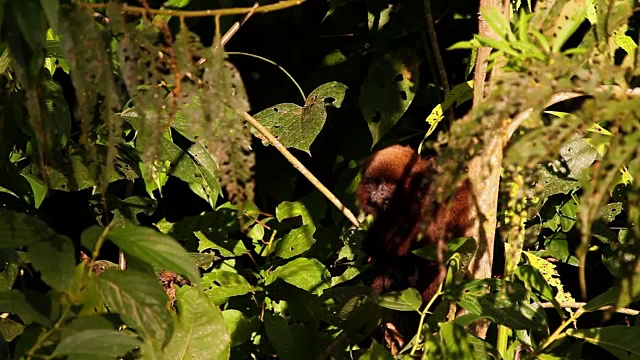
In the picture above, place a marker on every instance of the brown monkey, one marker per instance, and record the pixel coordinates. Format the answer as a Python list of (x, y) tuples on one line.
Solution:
[(397, 188)]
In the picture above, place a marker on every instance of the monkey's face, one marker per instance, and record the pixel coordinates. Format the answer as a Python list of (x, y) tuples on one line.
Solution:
[(375, 195)]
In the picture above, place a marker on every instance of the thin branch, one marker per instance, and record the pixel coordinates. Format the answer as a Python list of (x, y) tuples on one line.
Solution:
[(298, 165), (234, 29), (578, 305), (433, 38), (200, 13), (304, 97)]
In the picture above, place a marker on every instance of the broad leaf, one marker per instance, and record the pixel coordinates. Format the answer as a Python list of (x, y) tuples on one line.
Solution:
[(389, 89), (201, 332), (56, 273), (240, 327), (298, 126), (157, 249), (97, 342), (14, 302), (141, 302), (296, 242), (621, 341), (405, 300), (18, 229), (220, 285), (307, 274)]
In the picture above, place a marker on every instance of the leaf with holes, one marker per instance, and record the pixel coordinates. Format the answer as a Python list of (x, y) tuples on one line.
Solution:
[(296, 242), (389, 89), (298, 126), (220, 285)]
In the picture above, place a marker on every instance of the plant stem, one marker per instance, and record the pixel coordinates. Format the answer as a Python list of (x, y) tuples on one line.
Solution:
[(557, 335), (200, 13)]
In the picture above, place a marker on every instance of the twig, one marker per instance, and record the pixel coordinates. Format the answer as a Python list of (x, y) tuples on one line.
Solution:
[(304, 97), (433, 38), (298, 165), (200, 13), (234, 29), (578, 305)]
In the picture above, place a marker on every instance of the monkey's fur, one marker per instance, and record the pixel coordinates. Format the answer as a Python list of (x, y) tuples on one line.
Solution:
[(398, 189)]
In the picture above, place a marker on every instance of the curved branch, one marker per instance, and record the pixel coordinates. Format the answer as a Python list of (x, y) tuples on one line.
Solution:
[(200, 13), (301, 168)]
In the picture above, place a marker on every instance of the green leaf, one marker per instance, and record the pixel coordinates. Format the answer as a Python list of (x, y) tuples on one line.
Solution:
[(625, 42), (405, 300), (78, 172), (621, 341), (298, 126), (14, 302), (296, 242), (456, 343), (533, 279), (157, 249), (330, 94), (281, 337), (292, 209), (38, 188), (52, 11), (307, 274), (141, 302), (220, 285), (17, 229), (389, 89), (54, 258), (240, 326), (464, 246), (506, 303), (497, 21), (208, 169), (97, 343), (33, 25), (201, 332), (376, 352), (10, 329)]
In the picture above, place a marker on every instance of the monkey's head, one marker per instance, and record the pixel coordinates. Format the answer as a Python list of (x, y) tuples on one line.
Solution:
[(391, 175)]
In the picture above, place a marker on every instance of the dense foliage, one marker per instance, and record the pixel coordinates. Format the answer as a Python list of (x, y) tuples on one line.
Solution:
[(144, 213)]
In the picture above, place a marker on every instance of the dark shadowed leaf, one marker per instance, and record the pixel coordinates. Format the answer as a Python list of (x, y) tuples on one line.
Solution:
[(141, 302), (389, 89), (281, 338), (18, 229), (504, 302), (56, 273), (377, 352), (621, 341), (97, 343), (14, 302), (405, 300), (240, 326)]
